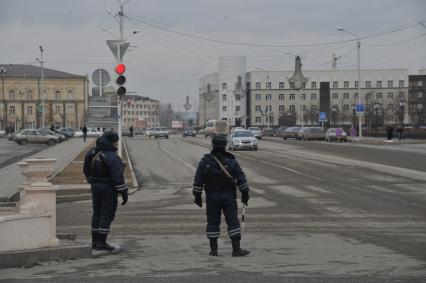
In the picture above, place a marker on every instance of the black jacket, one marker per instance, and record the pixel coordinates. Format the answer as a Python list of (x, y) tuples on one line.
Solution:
[(107, 168)]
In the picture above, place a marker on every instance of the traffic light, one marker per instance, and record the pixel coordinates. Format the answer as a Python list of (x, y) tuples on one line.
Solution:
[(121, 79)]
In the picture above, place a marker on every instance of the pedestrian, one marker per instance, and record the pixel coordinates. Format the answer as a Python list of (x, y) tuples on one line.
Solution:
[(131, 131), (389, 132), (52, 127), (219, 174), (400, 131), (104, 171), (84, 130)]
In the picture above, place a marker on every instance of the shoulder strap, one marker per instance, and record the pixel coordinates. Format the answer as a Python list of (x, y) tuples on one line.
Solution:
[(92, 162), (223, 168)]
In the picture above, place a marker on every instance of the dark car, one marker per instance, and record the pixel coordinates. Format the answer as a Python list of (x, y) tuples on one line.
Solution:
[(67, 132), (47, 131), (280, 130), (290, 133), (268, 132), (188, 132)]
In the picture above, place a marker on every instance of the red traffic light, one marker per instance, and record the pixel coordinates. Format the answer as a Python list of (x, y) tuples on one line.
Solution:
[(120, 68)]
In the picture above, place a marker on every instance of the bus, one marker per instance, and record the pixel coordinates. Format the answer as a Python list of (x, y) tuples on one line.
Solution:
[(216, 127)]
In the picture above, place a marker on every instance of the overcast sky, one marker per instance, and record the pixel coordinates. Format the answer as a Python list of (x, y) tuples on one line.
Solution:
[(166, 66)]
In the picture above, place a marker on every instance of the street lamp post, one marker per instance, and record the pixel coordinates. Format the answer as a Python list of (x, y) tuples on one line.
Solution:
[(358, 44), (42, 86), (4, 117), (401, 110), (334, 115)]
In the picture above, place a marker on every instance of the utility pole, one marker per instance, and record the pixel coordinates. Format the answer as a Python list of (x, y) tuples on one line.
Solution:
[(42, 86)]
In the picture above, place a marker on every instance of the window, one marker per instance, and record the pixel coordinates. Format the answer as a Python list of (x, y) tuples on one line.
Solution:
[(368, 95), (292, 108), (281, 108), (356, 84), (303, 96), (57, 95), (224, 86), (70, 109), (257, 108), (346, 84), (29, 95), (346, 96), (268, 85), (29, 110), (419, 94), (313, 108), (390, 107), (335, 96), (390, 95), (237, 108), (313, 85), (367, 84), (356, 95), (269, 97), (304, 85), (379, 84), (258, 120), (401, 83), (223, 108), (291, 85), (303, 107), (57, 109), (401, 95), (70, 95), (313, 96), (335, 84), (269, 108), (390, 83), (281, 85), (257, 85), (12, 110), (346, 107), (12, 95), (223, 97), (420, 83), (379, 95), (257, 97), (281, 96), (292, 96)]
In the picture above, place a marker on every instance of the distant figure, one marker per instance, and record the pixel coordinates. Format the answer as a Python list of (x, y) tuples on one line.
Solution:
[(131, 131), (400, 131), (389, 132), (52, 128), (84, 130)]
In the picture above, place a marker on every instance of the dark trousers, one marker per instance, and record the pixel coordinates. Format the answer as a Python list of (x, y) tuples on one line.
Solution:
[(104, 201), (84, 137), (217, 202)]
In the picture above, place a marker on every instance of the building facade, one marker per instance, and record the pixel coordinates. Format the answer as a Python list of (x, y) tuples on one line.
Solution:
[(208, 98), (65, 98), (274, 101), (417, 99), (140, 112)]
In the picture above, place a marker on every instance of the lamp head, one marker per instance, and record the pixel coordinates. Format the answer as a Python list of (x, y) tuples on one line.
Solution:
[(340, 29)]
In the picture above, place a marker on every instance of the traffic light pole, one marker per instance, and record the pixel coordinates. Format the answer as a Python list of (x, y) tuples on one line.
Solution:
[(120, 135)]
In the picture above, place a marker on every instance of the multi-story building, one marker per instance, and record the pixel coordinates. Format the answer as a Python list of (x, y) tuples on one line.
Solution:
[(417, 99), (65, 97), (140, 112), (274, 101), (208, 98)]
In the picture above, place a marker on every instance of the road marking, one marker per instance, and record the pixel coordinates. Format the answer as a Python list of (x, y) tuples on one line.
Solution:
[(190, 166), (288, 169)]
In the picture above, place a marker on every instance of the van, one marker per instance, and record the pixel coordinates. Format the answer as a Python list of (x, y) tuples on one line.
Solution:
[(216, 127)]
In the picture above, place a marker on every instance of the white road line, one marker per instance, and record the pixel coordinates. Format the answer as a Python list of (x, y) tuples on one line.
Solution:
[(190, 166)]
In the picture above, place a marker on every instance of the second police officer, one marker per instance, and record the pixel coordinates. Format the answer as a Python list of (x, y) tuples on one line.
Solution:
[(104, 171), (219, 174)]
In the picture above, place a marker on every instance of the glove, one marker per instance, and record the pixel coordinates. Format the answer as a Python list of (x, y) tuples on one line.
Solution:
[(198, 200), (245, 197), (125, 196)]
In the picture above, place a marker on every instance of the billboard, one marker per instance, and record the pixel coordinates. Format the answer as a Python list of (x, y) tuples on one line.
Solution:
[(177, 125)]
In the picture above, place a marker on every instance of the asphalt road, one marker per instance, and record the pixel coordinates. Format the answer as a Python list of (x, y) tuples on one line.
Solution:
[(11, 152), (317, 213)]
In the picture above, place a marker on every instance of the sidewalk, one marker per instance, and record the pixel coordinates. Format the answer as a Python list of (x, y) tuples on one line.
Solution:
[(395, 141), (65, 152)]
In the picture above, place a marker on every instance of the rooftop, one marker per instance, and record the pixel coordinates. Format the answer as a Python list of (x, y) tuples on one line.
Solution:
[(30, 71)]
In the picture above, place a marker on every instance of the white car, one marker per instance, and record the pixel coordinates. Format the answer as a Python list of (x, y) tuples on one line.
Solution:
[(256, 131), (242, 139), (149, 132), (91, 132)]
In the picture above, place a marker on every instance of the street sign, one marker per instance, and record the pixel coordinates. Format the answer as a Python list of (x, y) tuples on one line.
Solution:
[(118, 48), (323, 117), (360, 108), (100, 76)]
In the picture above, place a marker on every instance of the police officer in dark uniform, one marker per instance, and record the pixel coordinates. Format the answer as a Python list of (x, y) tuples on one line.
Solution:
[(104, 170), (221, 193)]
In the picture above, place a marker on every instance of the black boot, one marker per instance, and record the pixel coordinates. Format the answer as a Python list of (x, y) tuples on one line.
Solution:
[(213, 247), (102, 245), (236, 250), (94, 239)]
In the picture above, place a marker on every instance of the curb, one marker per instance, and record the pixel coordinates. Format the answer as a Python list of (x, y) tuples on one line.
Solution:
[(135, 181), (28, 258)]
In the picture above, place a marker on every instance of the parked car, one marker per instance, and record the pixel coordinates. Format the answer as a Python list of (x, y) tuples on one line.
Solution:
[(311, 133), (290, 133), (125, 132), (280, 130), (47, 131), (337, 134), (2, 134), (242, 140), (35, 136), (68, 132), (189, 132), (268, 132), (256, 131), (139, 131), (161, 132), (149, 132), (91, 132)]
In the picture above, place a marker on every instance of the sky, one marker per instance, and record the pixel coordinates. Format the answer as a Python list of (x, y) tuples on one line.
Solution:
[(166, 65)]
